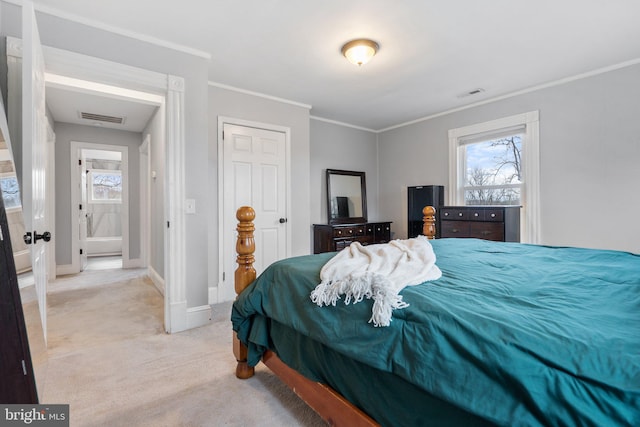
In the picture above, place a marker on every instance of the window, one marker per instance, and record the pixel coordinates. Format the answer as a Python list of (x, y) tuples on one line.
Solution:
[(493, 171), (10, 192), (497, 163), (105, 186)]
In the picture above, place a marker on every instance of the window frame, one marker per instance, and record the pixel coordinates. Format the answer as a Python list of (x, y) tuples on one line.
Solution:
[(528, 125), (90, 191)]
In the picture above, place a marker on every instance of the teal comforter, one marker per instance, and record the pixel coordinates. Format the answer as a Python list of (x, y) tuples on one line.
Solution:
[(514, 334)]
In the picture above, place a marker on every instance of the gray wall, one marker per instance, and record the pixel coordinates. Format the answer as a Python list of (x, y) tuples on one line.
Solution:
[(339, 147), (155, 130), (232, 104), (65, 133), (589, 158)]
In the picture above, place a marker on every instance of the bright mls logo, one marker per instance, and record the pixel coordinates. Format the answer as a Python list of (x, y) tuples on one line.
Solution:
[(34, 415)]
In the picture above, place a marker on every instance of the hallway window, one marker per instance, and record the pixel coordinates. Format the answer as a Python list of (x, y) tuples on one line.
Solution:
[(105, 186)]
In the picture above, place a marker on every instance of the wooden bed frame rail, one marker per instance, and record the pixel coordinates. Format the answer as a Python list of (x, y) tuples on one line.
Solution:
[(329, 404)]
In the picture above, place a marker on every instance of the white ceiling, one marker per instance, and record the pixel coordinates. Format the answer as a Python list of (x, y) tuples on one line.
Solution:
[(431, 52), (67, 104)]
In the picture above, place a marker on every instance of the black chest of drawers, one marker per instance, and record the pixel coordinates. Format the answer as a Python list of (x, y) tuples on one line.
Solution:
[(499, 223), (330, 238)]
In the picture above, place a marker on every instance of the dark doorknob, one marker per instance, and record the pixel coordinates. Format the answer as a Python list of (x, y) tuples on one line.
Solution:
[(27, 237), (46, 236), (283, 220)]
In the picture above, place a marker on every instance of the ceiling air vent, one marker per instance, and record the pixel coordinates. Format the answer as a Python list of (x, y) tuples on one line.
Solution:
[(101, 118), (471, 92)]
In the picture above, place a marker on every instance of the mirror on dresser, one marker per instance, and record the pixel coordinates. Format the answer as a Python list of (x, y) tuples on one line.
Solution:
[(347, 215), (346, 197)]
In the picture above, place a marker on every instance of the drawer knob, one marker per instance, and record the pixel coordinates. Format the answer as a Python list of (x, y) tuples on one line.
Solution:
[(493, 215), (350, 231), (446, 214), (460, 214), (476, 214)]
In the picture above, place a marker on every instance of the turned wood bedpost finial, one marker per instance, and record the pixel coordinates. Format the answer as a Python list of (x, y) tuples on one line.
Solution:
[(244, 275), (245, 248), (429, 222)]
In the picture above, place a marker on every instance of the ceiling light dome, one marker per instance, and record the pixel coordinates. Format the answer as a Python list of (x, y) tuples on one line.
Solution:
[(360, 51)]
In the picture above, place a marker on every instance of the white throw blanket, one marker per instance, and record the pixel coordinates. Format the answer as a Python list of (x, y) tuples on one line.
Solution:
[(377, 271)]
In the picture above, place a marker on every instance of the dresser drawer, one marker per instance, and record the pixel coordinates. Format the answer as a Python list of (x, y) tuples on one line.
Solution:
[(487, 230), (454, 228), (470, 214), (349, 231), (494, 215), (365, 240), (382, 232), (453, 214), (341, 244)]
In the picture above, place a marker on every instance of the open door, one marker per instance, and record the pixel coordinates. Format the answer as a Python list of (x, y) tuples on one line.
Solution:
[(34, 155), (82, 212)]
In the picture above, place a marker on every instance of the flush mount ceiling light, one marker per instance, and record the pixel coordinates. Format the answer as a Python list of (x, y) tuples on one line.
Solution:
[(360, 51)]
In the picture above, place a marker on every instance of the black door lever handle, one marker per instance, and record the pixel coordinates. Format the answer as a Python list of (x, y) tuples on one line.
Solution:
[(46, 236)]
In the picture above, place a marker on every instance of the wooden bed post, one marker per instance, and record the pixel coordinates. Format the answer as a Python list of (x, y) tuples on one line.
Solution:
[(330, 405), (429, 222), (245, 274)]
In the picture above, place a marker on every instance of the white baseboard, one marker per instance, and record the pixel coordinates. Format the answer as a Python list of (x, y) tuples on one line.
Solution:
[(22, 259), (132, 263), (198, 316), (104, 246), (66, 269), (178, 317), (213, 295), (183, 318), (156, 279)]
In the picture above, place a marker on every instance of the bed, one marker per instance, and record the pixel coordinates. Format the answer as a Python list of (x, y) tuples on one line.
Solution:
[(511, 334)]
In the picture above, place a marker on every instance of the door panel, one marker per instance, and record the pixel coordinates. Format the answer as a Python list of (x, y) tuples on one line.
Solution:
[(82, 212), (254, 175), (34, 155)]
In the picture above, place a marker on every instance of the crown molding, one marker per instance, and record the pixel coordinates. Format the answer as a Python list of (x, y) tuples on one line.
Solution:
[(115, 30), (348, 125), (258, 94)]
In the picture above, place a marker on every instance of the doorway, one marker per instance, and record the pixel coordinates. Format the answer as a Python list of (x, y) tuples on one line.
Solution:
[(146, 86), (102, 179), (254, 171)]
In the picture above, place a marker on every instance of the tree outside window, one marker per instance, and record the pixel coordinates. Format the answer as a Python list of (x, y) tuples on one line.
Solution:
[(10, 192), (493, 171), (105, 186)]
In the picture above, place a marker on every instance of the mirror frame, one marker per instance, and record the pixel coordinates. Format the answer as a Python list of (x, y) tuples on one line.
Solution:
[(363, 192)]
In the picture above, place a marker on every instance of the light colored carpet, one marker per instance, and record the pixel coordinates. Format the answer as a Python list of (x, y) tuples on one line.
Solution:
[(109, 358)]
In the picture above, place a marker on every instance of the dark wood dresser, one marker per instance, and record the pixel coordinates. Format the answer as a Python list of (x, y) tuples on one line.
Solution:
[(499, 223), (335, 237)]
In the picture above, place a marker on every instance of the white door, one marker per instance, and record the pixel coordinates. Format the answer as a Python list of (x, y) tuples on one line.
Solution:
[(254, 175), (34, 153), (82, 212)]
